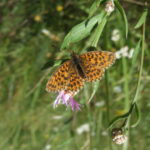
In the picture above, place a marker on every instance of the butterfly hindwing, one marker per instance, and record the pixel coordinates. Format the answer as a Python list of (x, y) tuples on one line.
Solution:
[(59, 79), (93, 73), (76, 82)]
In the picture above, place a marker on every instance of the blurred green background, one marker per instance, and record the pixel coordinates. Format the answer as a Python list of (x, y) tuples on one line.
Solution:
[(31, 34)]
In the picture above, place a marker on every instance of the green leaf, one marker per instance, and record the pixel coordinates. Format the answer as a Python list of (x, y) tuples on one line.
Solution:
[(96, 85), (135, 53), (138, 113), (48, 64), (122, 12), (81, 30), (122, 116), (94, 7), (141, 20), (97, 33), (58, 62), (53, 63)]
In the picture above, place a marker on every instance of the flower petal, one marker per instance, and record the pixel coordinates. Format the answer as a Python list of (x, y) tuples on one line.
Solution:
[(58, 99), (74, 105)]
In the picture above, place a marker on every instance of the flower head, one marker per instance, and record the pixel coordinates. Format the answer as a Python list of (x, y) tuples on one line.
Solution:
[(83, 128), (115, 35), (66, 98), (125, 52), (109, 8), (118, 137)]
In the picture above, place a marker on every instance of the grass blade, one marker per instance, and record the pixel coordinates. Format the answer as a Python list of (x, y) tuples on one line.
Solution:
[(122, 12), (141, 20), (95, 88), (94, 7), (97, 33)]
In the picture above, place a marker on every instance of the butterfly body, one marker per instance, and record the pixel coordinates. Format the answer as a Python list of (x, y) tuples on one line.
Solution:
[(87, 67), (77, 62)]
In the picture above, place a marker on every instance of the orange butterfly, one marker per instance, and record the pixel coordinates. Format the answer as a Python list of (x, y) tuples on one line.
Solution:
[(87, 67)]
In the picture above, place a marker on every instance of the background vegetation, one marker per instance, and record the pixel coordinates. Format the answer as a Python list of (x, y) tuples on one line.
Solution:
[(31, 34)]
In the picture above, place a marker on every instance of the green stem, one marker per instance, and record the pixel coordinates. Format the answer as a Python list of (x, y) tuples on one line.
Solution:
[(107, 97), (90, 117), (126, 90), (141, 66), (107, 107), (125, 147), (126, 84)]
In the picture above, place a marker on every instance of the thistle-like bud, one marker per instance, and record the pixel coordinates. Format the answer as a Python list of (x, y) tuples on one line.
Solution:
[(118, 137)]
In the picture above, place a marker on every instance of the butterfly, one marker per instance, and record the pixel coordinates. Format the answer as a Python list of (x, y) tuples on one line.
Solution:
[(73, 73)]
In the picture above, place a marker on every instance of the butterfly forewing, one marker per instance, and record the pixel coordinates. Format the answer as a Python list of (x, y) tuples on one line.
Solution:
[(100, 59), (59, 79)]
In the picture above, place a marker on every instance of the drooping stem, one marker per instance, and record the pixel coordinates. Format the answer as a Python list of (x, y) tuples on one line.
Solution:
[(125, 147), (141, 67), (108, 106)]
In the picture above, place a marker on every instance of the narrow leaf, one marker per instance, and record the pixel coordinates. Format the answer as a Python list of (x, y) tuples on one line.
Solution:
[(94, 7), (141, 20), (122, 116), (48, 64), (97, 33), (138, 114), (95, 88), (122, 12), (135, 53)]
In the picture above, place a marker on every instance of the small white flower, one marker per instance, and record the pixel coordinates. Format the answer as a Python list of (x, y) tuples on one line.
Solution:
[(93, 133), (124, 52), (115, 35), (83, 128), (46, 32), (131, 53), (48, 147), (57, 117), (104, 133), (100, 104), (117, 89), (50, 35), (118, 55)]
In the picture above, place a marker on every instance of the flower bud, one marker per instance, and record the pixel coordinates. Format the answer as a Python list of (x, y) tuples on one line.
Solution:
[(118, 137), (109, 8)]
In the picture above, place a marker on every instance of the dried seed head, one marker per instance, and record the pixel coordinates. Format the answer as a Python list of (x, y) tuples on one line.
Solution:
[(118, 137), (109, 8)]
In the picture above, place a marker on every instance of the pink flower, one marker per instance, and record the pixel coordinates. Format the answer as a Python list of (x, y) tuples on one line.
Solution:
[(66, 98)]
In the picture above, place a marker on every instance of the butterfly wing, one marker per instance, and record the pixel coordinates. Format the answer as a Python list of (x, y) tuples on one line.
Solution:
[(95, 63), (99, 59), (59, 79), (94, 73), (67, 77), (76, 82)]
